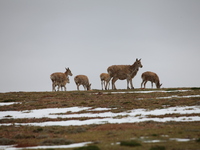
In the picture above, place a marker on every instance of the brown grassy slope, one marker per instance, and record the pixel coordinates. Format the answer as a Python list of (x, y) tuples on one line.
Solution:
[(38, 100), (105, 135)]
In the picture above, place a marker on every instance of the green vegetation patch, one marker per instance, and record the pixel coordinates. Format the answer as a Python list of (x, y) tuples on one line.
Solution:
[(8, 100), (130, 143), (90, 147), (195, 88), (198, 140), (157, 148)]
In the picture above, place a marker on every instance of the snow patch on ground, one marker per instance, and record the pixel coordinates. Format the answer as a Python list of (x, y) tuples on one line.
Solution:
[(12, 147), (131, 116), (9, 103)]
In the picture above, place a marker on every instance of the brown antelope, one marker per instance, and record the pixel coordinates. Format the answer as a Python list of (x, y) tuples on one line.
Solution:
[(123, 72), (82, 80), (105, 78), (152, 77), (60, 79), (62, 84)]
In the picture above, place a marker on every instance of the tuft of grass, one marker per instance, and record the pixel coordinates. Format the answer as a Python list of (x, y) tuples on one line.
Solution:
[(198, 140), (171, 89), (8, 116), (76, 130), (8, 100), (42, 136), (127, 102), (195, 88), (38, 130), (90, 147), (154, 134), (157, 148), (23, 136), (56, 141), (130, 143), (6, 141)]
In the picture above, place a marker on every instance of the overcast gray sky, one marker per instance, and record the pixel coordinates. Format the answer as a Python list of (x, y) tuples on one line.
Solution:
[(39, 37)]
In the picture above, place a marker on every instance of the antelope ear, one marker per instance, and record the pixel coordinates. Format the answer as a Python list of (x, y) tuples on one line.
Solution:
[(66, 68), (136, 59), (139, 59)]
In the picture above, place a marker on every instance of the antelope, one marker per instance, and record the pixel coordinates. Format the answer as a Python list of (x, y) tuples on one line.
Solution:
[(123, 72), (82, 80), (152, 77), (105, 78), (62, 85), (60, 79)]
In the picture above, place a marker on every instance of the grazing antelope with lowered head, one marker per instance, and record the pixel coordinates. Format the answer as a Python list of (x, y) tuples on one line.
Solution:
[(123, 72), (105, 78), (152, 77), (60, 79), (82, 80)]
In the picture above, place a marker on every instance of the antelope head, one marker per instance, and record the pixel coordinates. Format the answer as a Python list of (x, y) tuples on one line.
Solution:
[(158, 85), (68, 72), (138, 62)]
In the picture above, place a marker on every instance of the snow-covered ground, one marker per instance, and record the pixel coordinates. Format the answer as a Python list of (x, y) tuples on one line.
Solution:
[(130, 116), (12, 147), (150, 91), (9, 103)]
